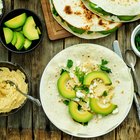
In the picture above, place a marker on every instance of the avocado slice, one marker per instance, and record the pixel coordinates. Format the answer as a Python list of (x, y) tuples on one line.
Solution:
[(100, 108), (16, 22), (39, 32), (18, 29), (76, 30), (79, 115), (27, 44), (108, 31), (29, 29), (20, 41), (8, 34), (94, 75), (126, 18), (14, 40), (94, 7), (61, 85)]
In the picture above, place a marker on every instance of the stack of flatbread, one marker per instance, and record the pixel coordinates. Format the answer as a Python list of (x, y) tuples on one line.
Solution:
[(92, 19)]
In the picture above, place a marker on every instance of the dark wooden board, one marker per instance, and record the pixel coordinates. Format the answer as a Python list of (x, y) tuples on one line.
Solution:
[(55, 31)]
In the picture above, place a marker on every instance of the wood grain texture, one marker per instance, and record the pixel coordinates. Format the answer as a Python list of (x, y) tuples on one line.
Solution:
[(31, 123), (55, 31)]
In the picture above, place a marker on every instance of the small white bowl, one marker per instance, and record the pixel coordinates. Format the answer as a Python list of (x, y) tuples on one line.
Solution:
[(133, 35)]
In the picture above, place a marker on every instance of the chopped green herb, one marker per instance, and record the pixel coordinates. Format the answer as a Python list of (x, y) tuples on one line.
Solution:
[(82, 87), (62, 71), (137, 42), (66, 102), (104, 62), (105, 93), (80, 75), (69, 63), (103, 67)]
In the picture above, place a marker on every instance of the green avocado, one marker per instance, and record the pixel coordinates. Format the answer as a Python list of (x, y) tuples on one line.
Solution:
[(39, 32), (29, 29), (94, 7), (16, 22), (76, 30), (100, 108), (14, 40), (63, 90), (108, 31), (126, 18), (20, 41), (27, 43), (8, 34), (94, 75), (79, 115)]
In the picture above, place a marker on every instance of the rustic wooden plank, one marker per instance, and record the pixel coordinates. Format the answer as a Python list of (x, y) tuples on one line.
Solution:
[(57, 32), (26, 134), (130, 126), (35, 62), (23, 118), (4, 57), (13, 134)]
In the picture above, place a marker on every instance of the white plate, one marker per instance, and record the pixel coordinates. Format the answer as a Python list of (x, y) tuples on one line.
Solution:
[(57, 112)]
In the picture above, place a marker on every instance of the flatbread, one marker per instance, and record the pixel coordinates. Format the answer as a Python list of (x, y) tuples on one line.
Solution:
[(77, 15), (58, 113), (119, 7), (110, 17)]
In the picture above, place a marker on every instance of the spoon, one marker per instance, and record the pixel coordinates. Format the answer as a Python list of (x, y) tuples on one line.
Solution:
[(131, 62), (34, 100)]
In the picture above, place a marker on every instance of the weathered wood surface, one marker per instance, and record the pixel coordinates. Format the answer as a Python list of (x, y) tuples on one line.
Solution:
[(31, 122)]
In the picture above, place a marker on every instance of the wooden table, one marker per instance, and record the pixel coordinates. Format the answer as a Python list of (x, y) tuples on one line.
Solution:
[(31, 122)]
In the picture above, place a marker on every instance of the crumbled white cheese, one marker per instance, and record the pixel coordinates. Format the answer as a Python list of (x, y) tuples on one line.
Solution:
[(61, 65), (78, 63), (87, 104), (76, 99), (88, 95), (115, 111), (79, 94), (100, 81), (84, 69), (71, 75), (90, 91), (99, 116), (94, 84), (104, 101), (91, 96)]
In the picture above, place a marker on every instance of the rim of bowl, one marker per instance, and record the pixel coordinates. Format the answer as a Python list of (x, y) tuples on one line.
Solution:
[(41, 36), (133, 35), (16, 66)]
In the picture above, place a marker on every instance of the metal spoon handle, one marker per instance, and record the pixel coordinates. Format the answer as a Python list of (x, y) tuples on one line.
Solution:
[(136, 79), (137, 106), (36, 101)]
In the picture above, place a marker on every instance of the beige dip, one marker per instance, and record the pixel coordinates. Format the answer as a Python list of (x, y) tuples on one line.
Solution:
[(10, 98)]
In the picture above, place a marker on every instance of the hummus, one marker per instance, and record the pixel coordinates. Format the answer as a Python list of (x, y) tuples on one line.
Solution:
[(10, 98)]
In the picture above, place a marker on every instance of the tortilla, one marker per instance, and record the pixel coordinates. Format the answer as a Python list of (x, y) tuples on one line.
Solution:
[(109, 16), (119, 7), (89, 25), (58, 113)]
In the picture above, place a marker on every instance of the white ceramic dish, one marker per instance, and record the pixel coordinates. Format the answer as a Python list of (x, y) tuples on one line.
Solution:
[(57, 112), (133, 35)]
